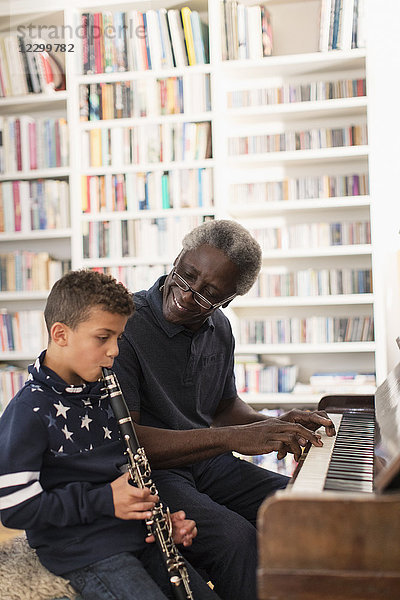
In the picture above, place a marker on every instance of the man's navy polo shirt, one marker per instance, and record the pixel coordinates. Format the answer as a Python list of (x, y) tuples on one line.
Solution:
[(174, 377)]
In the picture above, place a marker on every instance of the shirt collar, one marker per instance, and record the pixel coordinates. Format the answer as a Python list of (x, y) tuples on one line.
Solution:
[(154, 298)]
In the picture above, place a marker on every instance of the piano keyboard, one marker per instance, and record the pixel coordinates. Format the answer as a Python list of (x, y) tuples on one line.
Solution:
[(345, 462)]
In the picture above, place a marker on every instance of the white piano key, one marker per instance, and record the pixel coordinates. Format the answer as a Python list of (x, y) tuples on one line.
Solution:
[(311, 477)]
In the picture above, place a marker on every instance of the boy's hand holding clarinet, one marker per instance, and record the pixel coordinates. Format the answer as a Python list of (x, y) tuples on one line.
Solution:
[(135, 503)]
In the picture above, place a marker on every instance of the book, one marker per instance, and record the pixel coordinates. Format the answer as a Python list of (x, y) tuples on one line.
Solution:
[(120, 42), (242, 31), (187, 28), (13, 57), (93, 102), (32, 82), (347, 25), (266, 28), (85, 42), (147, 42), (95, 148), (198, 41), (177, 38), (108, 29), (91, 63), (166, 44), (254, 32), (98, 42)]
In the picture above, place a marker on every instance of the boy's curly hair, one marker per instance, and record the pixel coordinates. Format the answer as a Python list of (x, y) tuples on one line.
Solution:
[(74, 295)]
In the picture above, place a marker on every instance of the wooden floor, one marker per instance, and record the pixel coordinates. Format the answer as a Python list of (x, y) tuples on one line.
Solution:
[(7, 534)]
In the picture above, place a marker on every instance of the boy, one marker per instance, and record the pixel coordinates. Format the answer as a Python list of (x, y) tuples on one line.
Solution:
[(62, 463)]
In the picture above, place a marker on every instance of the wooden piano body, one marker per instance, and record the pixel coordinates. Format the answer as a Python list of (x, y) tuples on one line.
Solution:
[(345, 548), (333, 545)]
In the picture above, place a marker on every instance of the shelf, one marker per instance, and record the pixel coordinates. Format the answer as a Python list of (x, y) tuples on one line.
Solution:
[(23, 296), (33, 99), (281, 399), (297, 156), (37, 174), (317, 108), (294, 399), (351, 250), (17, 356), (154, 120), (41, 234), (170, 166), (123, 215), (337, 347), (293, 64), (89, 263), (148, 74), (339, 300), (268, 208)]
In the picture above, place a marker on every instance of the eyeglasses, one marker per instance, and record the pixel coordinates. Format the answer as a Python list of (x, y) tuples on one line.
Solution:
[(198, 298)]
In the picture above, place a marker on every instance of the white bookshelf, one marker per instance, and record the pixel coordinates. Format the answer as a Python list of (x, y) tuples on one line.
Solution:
[(290, 301), (35, 173), (55, 241), (296, 58), (288, 349), (282, 400), (270, 208), (173, 168)]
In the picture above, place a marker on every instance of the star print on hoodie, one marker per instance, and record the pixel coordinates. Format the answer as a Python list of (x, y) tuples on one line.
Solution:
[(60, 448)]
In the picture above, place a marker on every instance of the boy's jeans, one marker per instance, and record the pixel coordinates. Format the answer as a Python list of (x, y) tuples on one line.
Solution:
[(133, 576)]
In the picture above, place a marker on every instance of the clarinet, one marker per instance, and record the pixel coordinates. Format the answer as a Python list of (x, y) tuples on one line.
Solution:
[(159, 524)]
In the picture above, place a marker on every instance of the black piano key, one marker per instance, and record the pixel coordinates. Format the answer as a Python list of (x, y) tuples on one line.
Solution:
[(351, 465)]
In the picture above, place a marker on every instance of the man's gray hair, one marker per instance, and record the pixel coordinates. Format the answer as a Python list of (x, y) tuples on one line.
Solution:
[(236, 242)]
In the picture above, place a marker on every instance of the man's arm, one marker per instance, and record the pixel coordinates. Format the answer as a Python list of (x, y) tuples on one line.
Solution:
[(235, 411), (167, 448)]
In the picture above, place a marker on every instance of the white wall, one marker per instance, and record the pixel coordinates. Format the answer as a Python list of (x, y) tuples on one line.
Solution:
[(383, 75)]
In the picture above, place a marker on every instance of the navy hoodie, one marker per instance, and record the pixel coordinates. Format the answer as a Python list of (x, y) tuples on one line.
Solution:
[(60, 448)]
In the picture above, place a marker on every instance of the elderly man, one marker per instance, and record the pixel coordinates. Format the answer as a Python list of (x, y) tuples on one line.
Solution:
[(175, 368)]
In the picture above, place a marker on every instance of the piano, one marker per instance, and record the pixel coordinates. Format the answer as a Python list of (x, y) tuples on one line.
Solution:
[(334, 533)]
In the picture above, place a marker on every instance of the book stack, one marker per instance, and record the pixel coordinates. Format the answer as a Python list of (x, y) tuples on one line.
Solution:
[(28, 144), (150, 239), (145, 97), (343, 382), (278, 283), (300, 188), (309, 330), (289, 141), (311, 187), (150, 143), (137, 41), (12, 379), (28, 66), (313, 235), (246, 31), (23, 270), (342, 25), (22, 331), (297, 92), (158, 190), (33, 205), (258, 378)]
